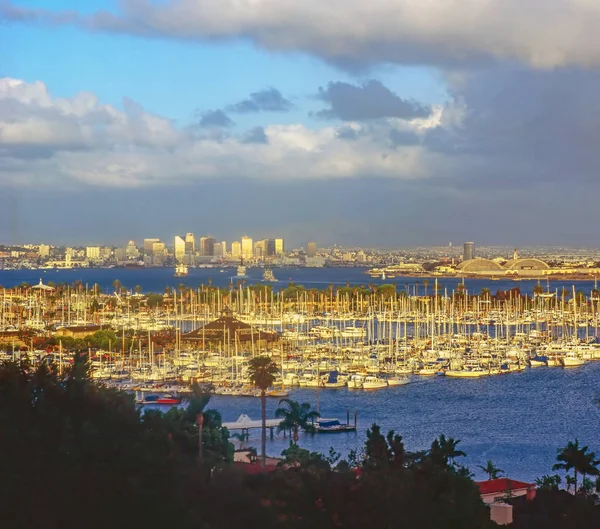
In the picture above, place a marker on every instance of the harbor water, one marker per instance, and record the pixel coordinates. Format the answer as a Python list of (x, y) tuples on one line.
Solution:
[(517, 420)]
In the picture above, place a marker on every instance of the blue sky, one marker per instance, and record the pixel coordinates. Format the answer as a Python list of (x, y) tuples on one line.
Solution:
[(393, 125)]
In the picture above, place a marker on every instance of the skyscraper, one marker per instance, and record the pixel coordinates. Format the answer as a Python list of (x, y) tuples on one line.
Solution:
[(236, 249), (207, 246), (279, 248), (468, 251), (148, 246), (311, 249), (190, 243), (247, 247), (179, 248)]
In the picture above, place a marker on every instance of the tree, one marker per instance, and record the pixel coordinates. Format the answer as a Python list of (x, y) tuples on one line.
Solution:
[(262, 371), (443, 450), (137, 289), (485, 293), (491, 470), (547, 482), (117, 285), (295, 416), (576, 458)]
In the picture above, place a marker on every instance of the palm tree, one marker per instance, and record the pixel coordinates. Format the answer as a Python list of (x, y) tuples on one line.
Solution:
[(491, 470), (485, 293), (580, 460), (262, 371), (295, 416), (138, 289), (117, 285), (425, 285), (446, 449)]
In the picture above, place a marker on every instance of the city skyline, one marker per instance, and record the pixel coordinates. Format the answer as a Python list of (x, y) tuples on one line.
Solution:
[(381, 137)]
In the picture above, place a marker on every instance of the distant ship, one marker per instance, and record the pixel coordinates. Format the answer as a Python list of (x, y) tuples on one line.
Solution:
[(268, 276), (241, 272), (181, 270)]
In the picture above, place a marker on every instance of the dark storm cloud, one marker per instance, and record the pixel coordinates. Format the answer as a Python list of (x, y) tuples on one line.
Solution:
[(215, 118), (372, 100), (268, 100), (527, 126), (255, 135)]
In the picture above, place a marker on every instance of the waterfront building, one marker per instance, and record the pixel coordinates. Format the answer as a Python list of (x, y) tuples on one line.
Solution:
[(260, 248), (311, 249), (247, 247), (270, 247), (236, 249), (190, 244), (179, 248), (92, 253), (279, 247), (44, 250), (149, 246), (218, 250), (468, 251)]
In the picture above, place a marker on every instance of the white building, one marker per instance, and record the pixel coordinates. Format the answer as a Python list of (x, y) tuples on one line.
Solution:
[(178, 248), (247, 247), (92, 253)]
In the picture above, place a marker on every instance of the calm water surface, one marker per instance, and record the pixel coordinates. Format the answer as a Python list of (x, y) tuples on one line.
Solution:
[(157, 279), (517, 420)]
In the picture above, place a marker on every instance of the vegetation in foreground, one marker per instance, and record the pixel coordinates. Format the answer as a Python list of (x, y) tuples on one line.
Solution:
[(74, 454)]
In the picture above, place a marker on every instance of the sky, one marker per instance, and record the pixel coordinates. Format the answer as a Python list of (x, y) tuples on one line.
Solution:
[(382, 123)]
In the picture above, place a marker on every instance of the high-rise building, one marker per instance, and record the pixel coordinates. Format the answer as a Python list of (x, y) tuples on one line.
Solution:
[(260, 248), (179, 248), (236, 249), (158, 253), (44, 250), (207, 246), (218, 250), (468, 251), (279, 248), (92, 252), (247, 247), (270, 247), (131, 250), (311, 249), (190, 244), (148, 245), (224, 247)]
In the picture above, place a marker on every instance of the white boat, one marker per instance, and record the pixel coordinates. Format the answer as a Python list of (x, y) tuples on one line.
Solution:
[(355, 382), (372, 382), (572, 360), (397, 381), (241, 273), (181, 270), (268, 276), (353, 332), (467, 373)]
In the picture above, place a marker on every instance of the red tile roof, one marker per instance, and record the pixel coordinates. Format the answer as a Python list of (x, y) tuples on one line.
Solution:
[(492, 486)]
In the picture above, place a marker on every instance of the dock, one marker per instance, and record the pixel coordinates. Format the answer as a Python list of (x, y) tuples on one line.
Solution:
[(245, 423)]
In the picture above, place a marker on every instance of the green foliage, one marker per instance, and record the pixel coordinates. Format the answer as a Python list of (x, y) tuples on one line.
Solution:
[(576, 458), (155, 300), (295, 416), (547, 482), (492, 470)]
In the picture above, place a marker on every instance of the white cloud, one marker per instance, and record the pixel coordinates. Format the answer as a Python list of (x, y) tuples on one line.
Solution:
[(58, 141), (540, 33)]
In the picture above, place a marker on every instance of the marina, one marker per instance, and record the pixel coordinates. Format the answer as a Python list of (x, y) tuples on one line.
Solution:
[(395, 353)]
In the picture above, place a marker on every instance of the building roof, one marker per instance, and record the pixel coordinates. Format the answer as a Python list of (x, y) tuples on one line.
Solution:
[(41, 286), (527, 263), (501, 485), (480, 265), (227, 328)]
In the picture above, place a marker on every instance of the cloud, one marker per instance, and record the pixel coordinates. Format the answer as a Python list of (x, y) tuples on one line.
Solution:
[(49, 141), (268, 100), (255, 135), (539, 33), (215, 118), (371, 100)]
